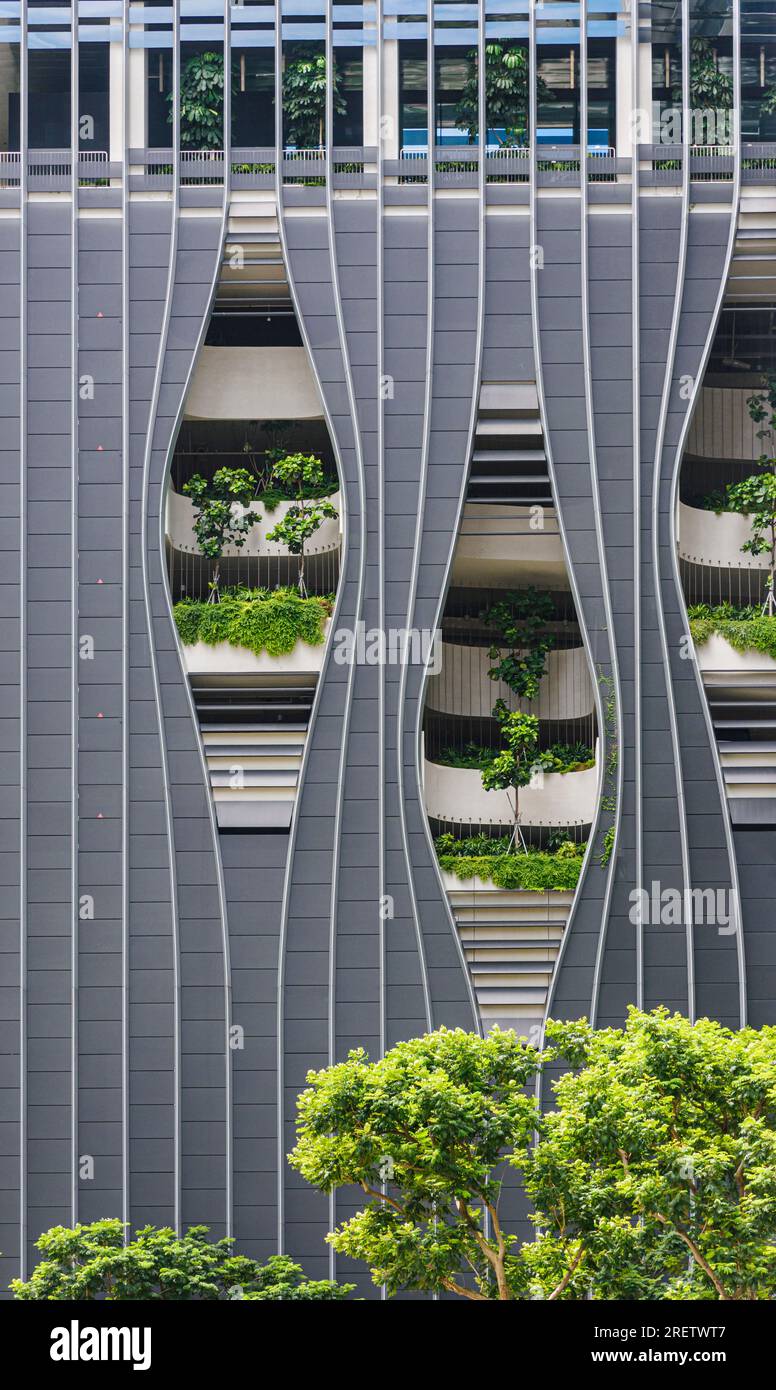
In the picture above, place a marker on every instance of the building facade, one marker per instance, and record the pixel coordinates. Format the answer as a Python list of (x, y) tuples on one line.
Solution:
[(524, 363)]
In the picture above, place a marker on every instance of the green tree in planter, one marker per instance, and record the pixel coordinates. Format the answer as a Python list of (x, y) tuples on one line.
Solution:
[(92, 1261), (219, 515), (301, 475), (202, 101), (710, 88), (521, 619), (519, 760), (755, 496), (304, 96), (506, 94)]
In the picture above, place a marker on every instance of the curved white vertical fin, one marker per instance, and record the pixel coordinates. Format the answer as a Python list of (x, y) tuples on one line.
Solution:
[(422, 482), (659, 442), (169, 828), (537, 353), (23, 194), (638, 759), (125, 622), (734, 213), (74, 919), (584, 260), (209, 799)]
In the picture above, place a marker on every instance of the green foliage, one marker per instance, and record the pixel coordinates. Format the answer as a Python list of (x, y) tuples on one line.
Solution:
[(755, 496), (434, 1116), (521, 758), (202, 101), (607, 845), (470, 845), (491, 859), (506, 94), (521, 619), (740, 613), (716, 501), (304, 96), (658, 1161), (567, 849), (274, 493), (92, 1261), (258, 619), (653, 1177), (751, 634), (532, 870), (708, 86), (566, 757), (301, 475), (218, 516)]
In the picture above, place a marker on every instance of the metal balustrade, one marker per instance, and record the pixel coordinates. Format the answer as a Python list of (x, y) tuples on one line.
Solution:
[(459, 165), (356, 167), (51, 170), (758, 162), (711, 163)]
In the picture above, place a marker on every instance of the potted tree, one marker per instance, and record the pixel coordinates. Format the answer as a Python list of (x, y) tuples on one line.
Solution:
[(304, 96), (517, 762), (506, 95), (220, 515), (302, 476), (202, 101), (521, 618)]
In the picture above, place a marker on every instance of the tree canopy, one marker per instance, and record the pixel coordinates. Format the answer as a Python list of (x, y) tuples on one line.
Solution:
[(86, 1262), (653, 1176), (506, 94), (301, 476)]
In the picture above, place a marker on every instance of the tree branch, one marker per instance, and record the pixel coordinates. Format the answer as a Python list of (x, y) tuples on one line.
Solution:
[(697, 1256), (451, 1285), (383, 1197), (565, 1281)]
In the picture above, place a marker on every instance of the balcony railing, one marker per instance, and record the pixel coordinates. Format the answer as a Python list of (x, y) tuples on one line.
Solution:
[(356, 167), (51, 170)]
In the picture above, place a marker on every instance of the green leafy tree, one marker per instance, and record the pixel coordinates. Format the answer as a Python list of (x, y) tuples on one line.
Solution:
[(422, 1132), (710, 89), (755, 496), (220, 518), (709, 86), (519, 760), (202, 101), (656, 1170), (654, 1176), (521, 619), (304, 96), (506, 94), (301, 475), (92, 1261)]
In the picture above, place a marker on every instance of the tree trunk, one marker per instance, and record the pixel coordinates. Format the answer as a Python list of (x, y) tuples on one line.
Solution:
[(300, 579), (213, 595)]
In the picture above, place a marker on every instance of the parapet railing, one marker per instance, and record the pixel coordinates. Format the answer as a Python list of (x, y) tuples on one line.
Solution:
[(661, 165), (458, 165), (52, 171), (254, 167), (454, 166)]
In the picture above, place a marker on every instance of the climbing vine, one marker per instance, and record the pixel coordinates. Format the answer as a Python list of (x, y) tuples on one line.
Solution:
[(609, 799)]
